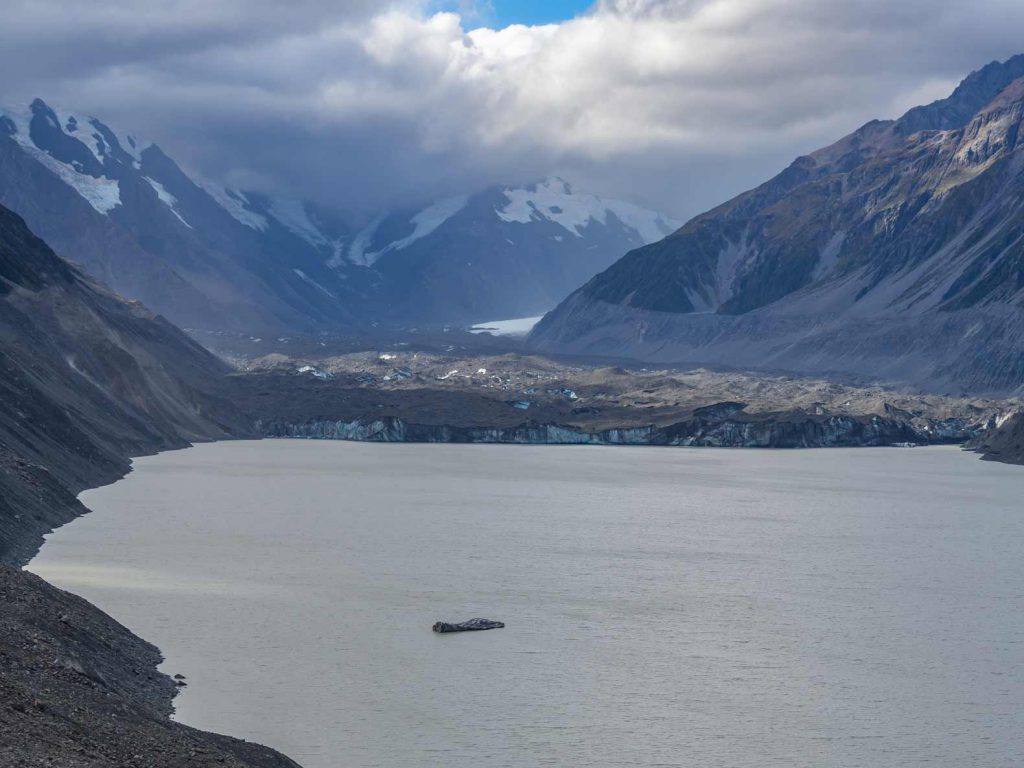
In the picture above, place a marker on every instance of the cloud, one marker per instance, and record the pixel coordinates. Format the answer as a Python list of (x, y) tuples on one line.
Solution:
[(679, 103)]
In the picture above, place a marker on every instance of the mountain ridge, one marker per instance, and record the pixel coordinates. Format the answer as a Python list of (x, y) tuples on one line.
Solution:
[(890, 252), (505, 251), (215, 258)]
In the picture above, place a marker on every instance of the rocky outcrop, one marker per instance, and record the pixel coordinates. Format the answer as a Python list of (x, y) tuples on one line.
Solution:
[(1003, 440), (894, 253), (473, 625)]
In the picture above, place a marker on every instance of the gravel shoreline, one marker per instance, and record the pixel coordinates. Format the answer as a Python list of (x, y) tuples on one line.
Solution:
[(78, 689)]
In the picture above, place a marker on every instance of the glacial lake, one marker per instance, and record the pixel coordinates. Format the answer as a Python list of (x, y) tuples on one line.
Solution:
[(664, 606)]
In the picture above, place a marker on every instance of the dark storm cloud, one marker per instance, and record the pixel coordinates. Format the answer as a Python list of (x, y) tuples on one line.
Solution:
[(679, 103)]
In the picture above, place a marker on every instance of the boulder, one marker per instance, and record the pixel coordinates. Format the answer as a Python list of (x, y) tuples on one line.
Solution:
[(473, 625)]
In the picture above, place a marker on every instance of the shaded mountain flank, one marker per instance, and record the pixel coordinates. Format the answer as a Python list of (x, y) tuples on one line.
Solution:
[(895, 253), (88, 379)]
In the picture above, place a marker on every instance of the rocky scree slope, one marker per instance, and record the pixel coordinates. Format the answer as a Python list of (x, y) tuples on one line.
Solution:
[(86, 380), (897, 252), (78, 690)]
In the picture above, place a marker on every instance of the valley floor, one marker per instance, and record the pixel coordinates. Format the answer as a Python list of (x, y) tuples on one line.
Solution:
[(436, 396)]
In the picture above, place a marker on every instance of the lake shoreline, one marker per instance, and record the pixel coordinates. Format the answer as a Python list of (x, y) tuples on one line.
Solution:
[(287, 475), (78, 685), (156, 703)]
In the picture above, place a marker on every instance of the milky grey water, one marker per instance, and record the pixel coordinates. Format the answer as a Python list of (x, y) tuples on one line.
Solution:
[(665, 606)]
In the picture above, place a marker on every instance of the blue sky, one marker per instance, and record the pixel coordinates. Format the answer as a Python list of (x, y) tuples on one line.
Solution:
[(501, 13), (536, 11)]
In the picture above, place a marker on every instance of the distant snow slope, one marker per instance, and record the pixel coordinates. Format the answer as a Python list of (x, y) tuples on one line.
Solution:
[(512, 251), (236, 204)]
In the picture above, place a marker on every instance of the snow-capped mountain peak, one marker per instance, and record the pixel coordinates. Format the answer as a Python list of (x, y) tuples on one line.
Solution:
[(201, 254), (554, 199), (78, 160), (511, 250)]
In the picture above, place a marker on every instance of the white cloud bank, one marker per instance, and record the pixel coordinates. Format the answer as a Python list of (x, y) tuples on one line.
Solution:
[(679, 103)]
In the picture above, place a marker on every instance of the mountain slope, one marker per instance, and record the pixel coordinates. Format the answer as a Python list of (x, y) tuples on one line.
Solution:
[(501, 253), (897, 252), (87, 379)]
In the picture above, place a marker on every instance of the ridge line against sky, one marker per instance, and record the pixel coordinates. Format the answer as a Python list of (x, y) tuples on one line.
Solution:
[(675, 104)]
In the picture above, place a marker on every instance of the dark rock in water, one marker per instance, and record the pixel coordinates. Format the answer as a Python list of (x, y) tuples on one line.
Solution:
[(472, 625)]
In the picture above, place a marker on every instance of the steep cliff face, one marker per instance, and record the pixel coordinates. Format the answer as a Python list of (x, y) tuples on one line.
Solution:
[(895, 252), (86, 380)]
